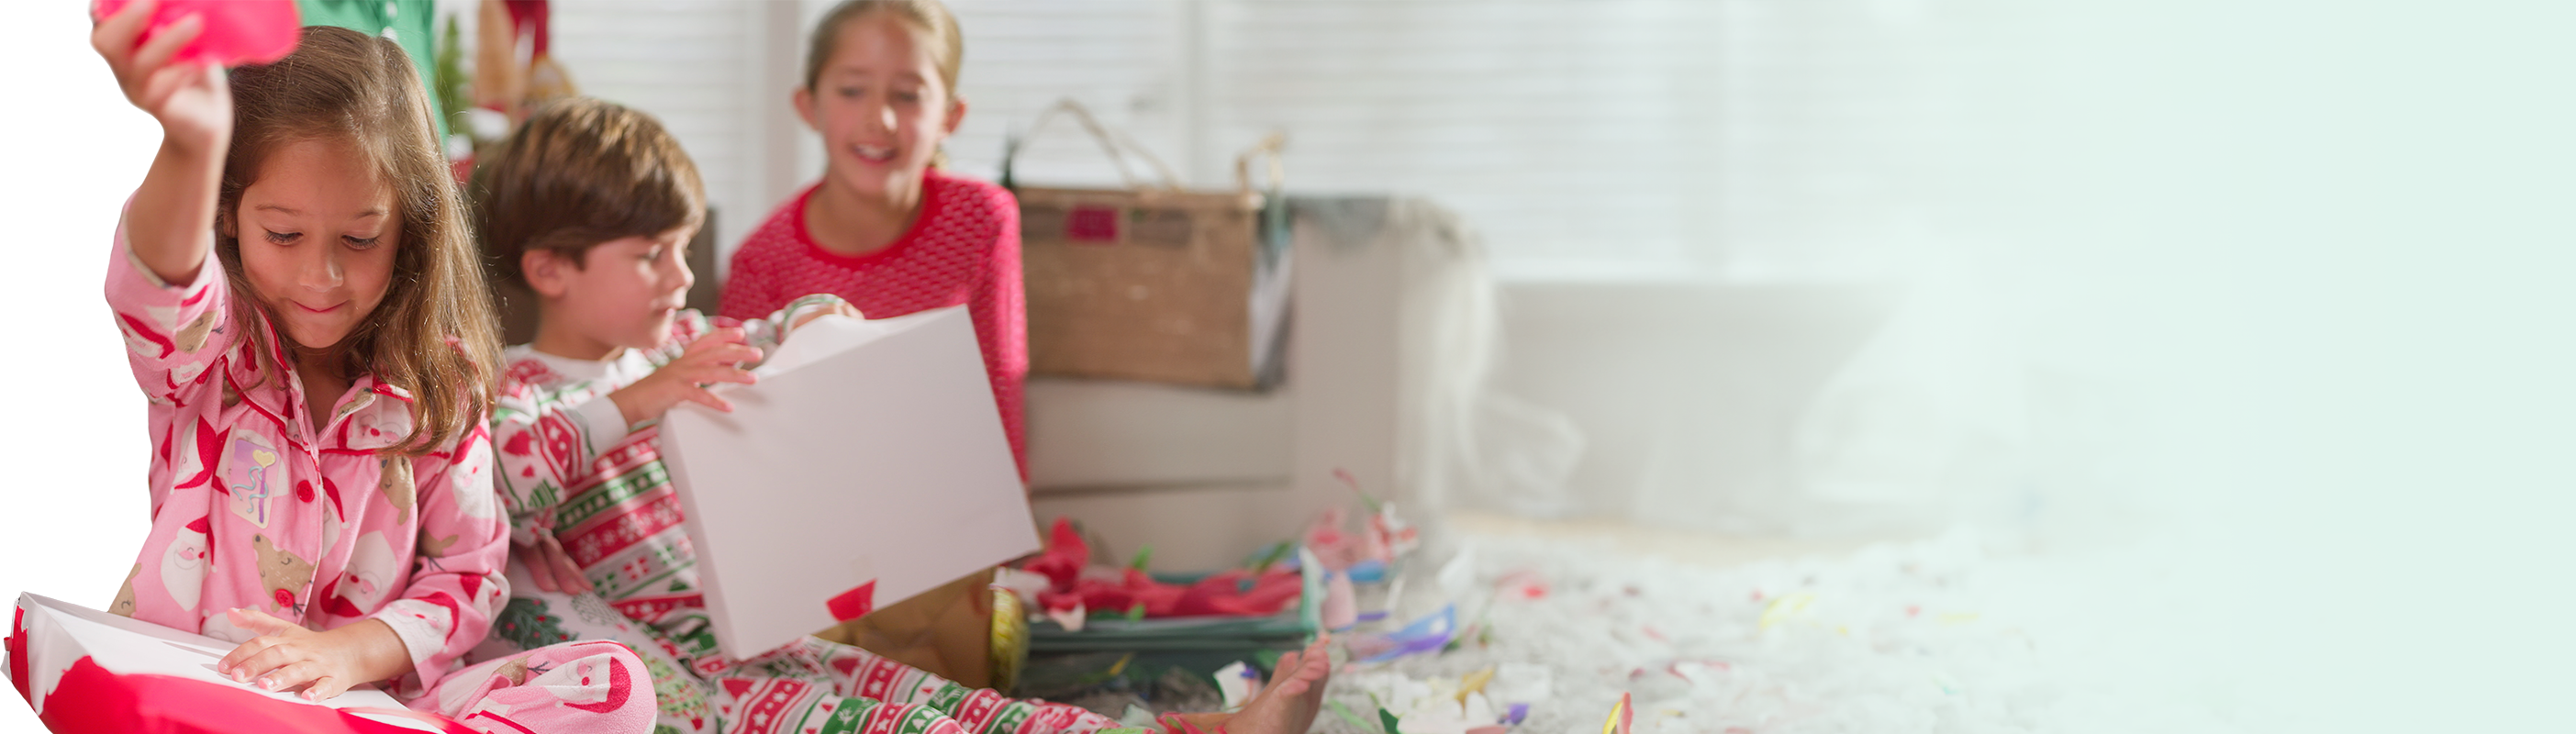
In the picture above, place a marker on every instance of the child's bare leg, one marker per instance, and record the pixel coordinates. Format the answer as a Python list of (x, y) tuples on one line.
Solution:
[(1287, 705)]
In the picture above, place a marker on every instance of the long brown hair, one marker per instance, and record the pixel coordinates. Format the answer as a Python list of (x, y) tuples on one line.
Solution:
[(433, 334)]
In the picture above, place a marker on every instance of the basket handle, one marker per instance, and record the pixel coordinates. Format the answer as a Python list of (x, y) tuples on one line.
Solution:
[(1268, 150), (1117, 145)]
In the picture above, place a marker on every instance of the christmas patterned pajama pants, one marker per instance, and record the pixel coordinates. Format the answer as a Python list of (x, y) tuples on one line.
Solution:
[(589, 686), (812, 686)]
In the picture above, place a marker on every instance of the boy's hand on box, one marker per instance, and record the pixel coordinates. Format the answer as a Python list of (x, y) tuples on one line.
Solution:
[(716, 357), (551, 567), (326, 664), (841, 308)]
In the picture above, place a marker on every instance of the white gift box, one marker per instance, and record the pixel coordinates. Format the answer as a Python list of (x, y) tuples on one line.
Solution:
[(867, 465), (58, 634)]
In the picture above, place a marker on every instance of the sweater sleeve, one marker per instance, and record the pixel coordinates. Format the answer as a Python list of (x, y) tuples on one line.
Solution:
[(547, 437), (456, 585), (749, 288), (1000, 310), (170, 329)]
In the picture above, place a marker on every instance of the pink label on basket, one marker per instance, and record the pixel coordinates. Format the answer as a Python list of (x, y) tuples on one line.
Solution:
[(1095, 224)]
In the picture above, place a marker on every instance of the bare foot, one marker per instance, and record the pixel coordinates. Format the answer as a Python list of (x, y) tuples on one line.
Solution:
[(1286, 705)]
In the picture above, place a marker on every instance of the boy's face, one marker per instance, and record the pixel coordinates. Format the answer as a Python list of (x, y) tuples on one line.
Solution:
[(880, 106), (622, 294)]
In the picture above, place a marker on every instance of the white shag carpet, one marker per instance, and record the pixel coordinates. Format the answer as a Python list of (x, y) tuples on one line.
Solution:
[(1953, 634)]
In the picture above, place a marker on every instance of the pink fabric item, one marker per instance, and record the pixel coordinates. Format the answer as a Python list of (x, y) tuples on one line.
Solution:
[(964, 248), (238, 32)]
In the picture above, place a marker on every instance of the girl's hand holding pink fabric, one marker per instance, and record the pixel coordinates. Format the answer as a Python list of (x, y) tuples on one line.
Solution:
[(327, 664), (189, 99), (716, 357)]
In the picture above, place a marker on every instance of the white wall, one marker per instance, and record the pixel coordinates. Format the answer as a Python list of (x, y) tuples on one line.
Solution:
[(1593, 144), (2314, 248), (703, 69), (695, 65)]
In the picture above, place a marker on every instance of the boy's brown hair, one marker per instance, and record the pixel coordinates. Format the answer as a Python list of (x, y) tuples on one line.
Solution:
[(432, 334), (578, 173)]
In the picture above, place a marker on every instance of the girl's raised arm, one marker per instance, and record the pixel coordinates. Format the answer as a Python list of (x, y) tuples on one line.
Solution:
[(170, 222)]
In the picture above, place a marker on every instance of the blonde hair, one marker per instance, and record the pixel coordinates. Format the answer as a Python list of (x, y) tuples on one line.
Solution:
[(433, 334), (930, 17)]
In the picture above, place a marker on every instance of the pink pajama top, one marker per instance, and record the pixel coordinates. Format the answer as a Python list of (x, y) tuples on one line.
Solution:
[(254, 506)]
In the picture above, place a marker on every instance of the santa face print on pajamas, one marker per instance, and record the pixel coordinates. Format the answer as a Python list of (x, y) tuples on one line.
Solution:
[(256, 505)]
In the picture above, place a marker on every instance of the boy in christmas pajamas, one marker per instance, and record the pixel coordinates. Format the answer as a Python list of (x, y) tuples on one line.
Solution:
[(589, 204)]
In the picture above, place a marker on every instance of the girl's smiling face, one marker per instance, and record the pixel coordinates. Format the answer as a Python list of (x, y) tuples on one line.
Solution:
[(880, 105), (318, 233)]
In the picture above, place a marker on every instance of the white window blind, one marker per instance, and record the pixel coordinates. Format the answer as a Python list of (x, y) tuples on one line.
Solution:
[(694, 64), (1569, 133), (1127, 61), (1834, 136), (1583, 138), (1752, 137)]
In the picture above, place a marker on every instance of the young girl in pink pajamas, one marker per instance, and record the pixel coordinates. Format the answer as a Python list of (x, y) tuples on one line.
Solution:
[(305, 314)]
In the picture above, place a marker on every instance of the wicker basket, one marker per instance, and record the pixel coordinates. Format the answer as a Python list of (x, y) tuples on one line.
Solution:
[(1152, 282)]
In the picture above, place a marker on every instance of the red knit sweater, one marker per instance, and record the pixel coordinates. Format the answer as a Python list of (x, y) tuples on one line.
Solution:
[(963, 249)]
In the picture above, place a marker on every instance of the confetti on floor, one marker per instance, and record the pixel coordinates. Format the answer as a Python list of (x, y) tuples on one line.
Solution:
[(1951, 634)]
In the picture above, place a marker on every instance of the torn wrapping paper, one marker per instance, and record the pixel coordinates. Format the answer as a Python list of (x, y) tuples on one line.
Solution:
[(1429, 706), (87, 670), (1239, 683), (1068, 630), (1522, 682), (1959, 633), (1368, 553), (1622, 716), (1073, 583), (867, 465), (1341, 601), (1427, 634)]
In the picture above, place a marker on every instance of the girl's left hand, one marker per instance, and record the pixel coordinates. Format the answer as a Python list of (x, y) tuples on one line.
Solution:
[(326, 664)]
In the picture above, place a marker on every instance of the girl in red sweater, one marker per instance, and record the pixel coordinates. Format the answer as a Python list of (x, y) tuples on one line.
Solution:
[(885, 229)]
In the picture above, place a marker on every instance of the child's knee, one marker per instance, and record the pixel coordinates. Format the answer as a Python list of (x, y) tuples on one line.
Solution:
[(626, 702)]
